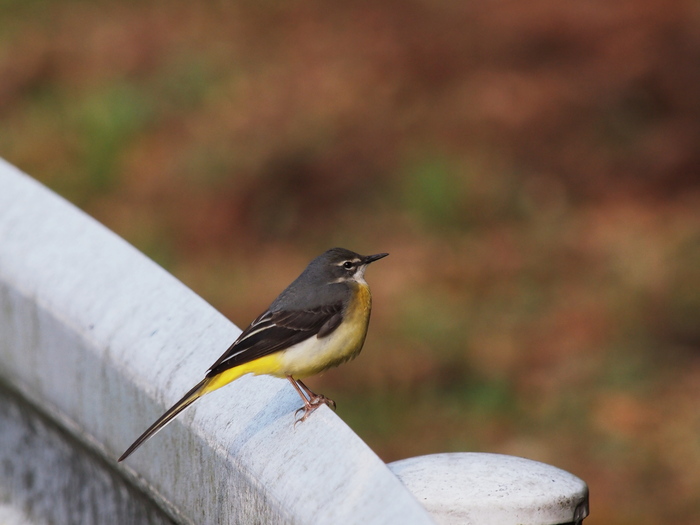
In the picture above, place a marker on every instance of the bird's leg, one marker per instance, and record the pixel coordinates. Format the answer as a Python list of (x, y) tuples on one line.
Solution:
[(316, 399), (310, 404)]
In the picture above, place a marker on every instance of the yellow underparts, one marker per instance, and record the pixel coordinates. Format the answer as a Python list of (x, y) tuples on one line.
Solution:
[(269, 364), (314, 355)]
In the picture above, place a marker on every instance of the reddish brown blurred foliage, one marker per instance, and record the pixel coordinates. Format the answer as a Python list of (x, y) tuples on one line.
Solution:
[(533, 168)]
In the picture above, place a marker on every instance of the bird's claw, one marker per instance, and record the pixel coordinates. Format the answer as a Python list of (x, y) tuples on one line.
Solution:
[(307, 412), (311, 405), (316, 401)]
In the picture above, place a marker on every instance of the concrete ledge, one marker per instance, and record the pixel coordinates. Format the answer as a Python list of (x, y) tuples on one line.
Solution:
[(103, 340), (493, 489)]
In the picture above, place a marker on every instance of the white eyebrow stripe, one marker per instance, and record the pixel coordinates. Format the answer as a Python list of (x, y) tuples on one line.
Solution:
[(355, 260)]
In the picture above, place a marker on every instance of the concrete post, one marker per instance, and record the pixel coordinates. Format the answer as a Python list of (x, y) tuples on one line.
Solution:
[(493, 489)]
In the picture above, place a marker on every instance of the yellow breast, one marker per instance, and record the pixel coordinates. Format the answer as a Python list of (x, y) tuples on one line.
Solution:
[(318, 354)]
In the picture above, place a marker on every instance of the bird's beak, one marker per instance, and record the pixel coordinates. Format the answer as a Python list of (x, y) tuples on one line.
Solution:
[(375, 257)]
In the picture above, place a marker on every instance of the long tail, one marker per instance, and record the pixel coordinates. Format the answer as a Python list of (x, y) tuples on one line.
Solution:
[(189, 398)]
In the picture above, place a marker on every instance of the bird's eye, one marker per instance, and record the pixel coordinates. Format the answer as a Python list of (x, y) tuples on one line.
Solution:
[(347, 265)]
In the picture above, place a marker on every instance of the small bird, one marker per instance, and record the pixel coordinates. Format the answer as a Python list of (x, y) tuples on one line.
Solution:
[(318, 322)]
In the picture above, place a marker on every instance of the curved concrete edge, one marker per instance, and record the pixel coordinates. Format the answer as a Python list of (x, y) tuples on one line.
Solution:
[(493, 489), (104, 341)]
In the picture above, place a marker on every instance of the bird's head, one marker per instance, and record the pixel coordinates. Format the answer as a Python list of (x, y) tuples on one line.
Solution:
[(339, 265)]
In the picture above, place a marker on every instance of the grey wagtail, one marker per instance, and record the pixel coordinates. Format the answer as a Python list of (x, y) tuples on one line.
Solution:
[(318, 322)]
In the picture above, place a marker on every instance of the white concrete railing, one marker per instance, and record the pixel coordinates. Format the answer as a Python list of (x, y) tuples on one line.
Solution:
[(102, 340)]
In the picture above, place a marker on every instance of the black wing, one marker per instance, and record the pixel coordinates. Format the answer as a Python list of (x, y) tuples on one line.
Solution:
[(274, 331)]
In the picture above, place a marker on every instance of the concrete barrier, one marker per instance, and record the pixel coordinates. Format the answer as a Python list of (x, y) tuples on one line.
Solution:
[(103, 340)]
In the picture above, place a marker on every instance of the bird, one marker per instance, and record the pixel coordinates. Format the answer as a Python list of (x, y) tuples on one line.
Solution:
[(318, 322)]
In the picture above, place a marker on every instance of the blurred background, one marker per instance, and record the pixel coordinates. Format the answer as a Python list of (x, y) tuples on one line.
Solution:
[(532, 167)]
